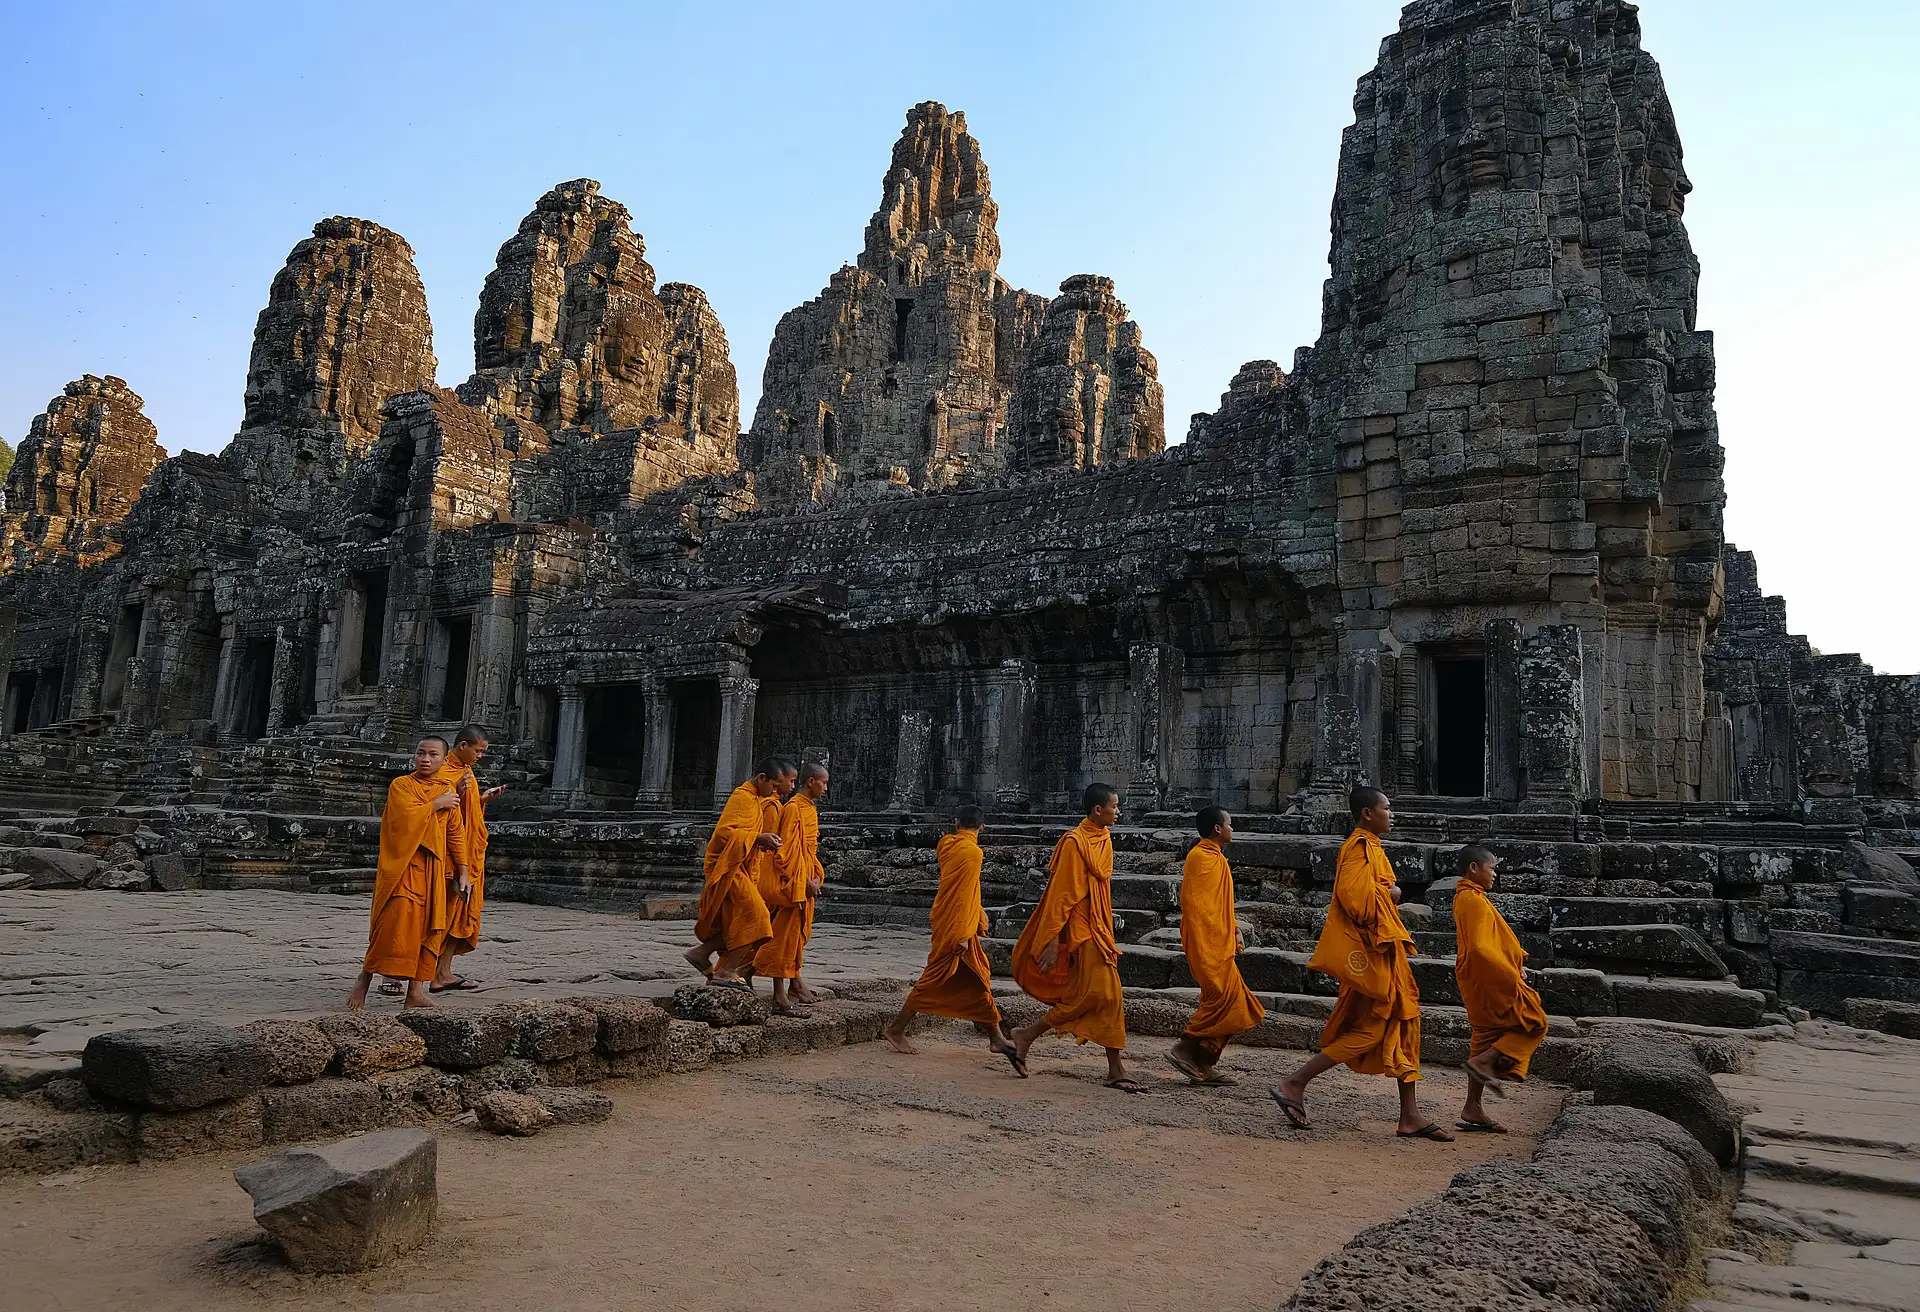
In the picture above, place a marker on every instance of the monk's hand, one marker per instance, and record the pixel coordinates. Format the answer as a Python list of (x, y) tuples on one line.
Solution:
[(768, 842), (446, 802), (1239, 943), (1049, 956), (813, 886), (1395, 890), (465, 886), (492, 793)]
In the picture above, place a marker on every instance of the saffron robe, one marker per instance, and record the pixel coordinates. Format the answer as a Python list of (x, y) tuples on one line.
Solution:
[(1209, 934), (957, 979), (1504, 1010), (1083, 988), (731, 908), (797, 862), (408, 923), (1375, 1025), (463, 914)]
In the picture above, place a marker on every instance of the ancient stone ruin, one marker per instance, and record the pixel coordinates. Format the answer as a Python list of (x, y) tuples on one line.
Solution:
[(1468, 545)]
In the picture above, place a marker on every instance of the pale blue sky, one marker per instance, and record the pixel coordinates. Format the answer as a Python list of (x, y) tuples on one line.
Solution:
[(159, 161)]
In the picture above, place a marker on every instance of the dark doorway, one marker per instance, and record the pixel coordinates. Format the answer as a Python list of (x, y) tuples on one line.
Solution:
[(902, 317), (456, 637), (696, 742), (256, 688), (372, 585), (20, 690), (616, 743), (1460, 726), (126, 643)]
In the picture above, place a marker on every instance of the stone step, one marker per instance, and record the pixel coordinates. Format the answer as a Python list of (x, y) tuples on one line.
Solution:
[(1862, 1283), (1844, 1169)]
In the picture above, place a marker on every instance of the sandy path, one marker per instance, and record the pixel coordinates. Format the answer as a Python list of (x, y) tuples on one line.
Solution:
[(852, 1179)]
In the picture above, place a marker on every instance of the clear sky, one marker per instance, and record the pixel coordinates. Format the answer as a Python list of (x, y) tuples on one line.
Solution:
[(159, 160)]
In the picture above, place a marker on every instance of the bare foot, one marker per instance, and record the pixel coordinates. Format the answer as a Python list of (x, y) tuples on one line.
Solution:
[(356, 1000), (1488, 1074), (788, 1009), (422, 1005), (803, 994), (897, 1040), (700, 960)]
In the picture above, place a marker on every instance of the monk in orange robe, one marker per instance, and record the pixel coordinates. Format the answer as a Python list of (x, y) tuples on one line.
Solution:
[(1210, 936), (421, 843), (733, 919), (1067, 956), (1509, 1020), (463, 906), (797, 878), (957, 979), (1375, 1025)]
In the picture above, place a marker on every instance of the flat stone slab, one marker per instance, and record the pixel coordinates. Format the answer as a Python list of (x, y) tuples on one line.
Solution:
[(1877, 1172), (1657, 949), (351, 1205)]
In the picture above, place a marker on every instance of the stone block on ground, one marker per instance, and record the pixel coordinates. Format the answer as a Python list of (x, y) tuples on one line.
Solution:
[(21, 1073), (173, 1067), (41, 1142), (1145, 967), (324, 1109), (644, 1064), (737, 1042), (464, 1040), (1662, 1075), (862, 1021), (121, 880), (298, 1051), (1690, 1002), (626, 1024), (551, 1031), (1274, 970), (515, 1073), (1156, 1016), (232, 1126), (1643, 949), (1873, 865), (1282, 1030), (581, 1068), (68, 1094), (363, 1045), (1897, 1018), (783, 1036), (690, 1046), (13, 879), (55, 867), (1435, 977), (1880, 909), (1605, 1125), (1570, 991), (420, 1094), (348, 1206), (171, 873), (504, 1112), (719, 1007)]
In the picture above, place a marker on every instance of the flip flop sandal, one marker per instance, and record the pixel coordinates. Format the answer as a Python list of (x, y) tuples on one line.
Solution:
[(1013, 1060), (458, 984), (1296, 1113), (1431, 1130), (1216, 1079), (1480, 1127), (394, 989), (1193, 1073), (1127, 1086), (737, 984)]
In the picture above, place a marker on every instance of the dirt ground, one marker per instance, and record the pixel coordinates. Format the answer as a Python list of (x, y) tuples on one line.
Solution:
[(849, 1179)]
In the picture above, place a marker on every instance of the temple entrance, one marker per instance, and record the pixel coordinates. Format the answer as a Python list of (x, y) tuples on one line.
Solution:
[(1459, 726), (448, 659), (255, 693), (32, 699), (367, 631), (616, 742), (126, 644), (696, 741)]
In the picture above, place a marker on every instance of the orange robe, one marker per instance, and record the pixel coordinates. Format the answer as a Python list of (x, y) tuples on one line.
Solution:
[(731, 908), (1375, 1025), (417, 847), (956, 980), (463, 914), (797, 862), (1083, 988), (1209, 935), (1504, 1010)]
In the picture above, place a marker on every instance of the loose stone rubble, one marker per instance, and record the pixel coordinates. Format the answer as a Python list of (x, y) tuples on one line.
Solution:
[(1467, 546), (350, 1205)]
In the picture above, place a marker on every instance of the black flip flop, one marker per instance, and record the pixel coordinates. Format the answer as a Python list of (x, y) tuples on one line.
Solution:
[(1480, 1127), (1128, 1085), (1014, 1060), (393, 988), (1193, 1073), (739, 984), (458, 984), (1431, 1130), (1295, 1112)]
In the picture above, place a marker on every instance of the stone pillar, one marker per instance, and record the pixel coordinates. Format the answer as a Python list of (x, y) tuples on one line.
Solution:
[(223, 681), (734, 761), (910, 762), (282, 682), (1360, 675), (1009, 730), (8, 615), (1336, 756), (570, 747), (494, 643), (1716, 752), (89, 667), (1153, 697), (1553, 718), (1502, 674), (656, 751)]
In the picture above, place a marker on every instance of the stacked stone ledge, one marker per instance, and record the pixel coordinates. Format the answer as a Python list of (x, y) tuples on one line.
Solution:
[(191, 1087)]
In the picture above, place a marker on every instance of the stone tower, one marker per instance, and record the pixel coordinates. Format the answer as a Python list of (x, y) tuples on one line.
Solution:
[(1090, 394), (77, 473), (345, 328), (905, 368)]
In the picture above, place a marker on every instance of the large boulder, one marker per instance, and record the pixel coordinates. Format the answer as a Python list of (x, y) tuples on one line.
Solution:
[(365, 1044), (1663, 1076), (55, 867), (1607, 1126), (173, 1067), (719, 1007), (349, 1205), (464, 1040), (518, 1114)]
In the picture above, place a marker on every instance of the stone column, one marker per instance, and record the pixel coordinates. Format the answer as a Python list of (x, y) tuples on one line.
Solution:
[(1553, 718), (911, 751), (1502, 639), (1716, 752), (570, 747), (90, 667), (1153, 693), (490, 654), (1360, 677), (8, 615), (656, 751), (223, 681), (1336, 754), (1009, 729), (282, 682), (734, 761)]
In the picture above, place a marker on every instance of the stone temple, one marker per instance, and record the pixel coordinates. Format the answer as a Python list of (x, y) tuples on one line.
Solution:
[(1467, 545)]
